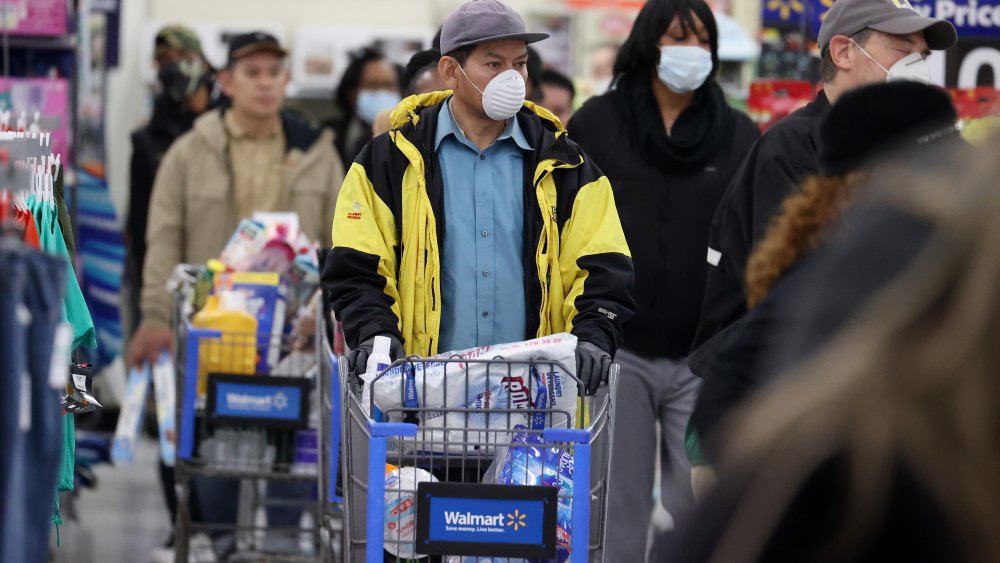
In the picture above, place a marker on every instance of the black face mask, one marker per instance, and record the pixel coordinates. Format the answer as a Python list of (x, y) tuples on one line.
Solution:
[(180, 79)]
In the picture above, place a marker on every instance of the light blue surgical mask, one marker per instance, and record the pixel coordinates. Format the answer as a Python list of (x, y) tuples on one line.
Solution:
[(373, 102), (684, 68)]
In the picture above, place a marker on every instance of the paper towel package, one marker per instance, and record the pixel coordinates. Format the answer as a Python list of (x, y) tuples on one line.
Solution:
[(481, 389)]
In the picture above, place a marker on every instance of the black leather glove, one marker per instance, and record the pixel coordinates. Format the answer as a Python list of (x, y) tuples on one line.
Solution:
[(592, 366), (358, 358)]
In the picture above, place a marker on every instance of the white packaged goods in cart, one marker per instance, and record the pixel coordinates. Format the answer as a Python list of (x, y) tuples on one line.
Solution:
[(401, 510), (488, 390)]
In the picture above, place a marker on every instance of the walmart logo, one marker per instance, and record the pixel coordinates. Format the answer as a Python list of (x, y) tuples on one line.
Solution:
[(516, 520)]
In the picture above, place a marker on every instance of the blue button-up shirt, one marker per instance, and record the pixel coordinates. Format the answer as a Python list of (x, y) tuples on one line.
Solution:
[(482, 268)]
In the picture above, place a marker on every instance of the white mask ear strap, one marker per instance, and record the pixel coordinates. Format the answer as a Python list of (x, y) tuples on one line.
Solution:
[(871, 58), (470, 80)]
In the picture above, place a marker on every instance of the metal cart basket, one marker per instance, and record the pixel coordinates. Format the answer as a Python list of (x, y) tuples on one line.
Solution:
[(243, 436), (483, 437)]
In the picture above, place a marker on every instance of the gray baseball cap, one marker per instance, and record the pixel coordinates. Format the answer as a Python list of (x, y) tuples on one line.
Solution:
[(480, 21), (896, 17)]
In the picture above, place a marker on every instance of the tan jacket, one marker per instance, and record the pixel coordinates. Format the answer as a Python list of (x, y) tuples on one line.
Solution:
[(193, 211)]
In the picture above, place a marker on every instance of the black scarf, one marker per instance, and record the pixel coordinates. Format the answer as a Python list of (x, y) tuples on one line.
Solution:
[(699, 134)]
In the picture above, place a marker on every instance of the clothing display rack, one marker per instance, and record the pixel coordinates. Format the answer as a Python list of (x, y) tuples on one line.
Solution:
[(64, 51), (43, 319)]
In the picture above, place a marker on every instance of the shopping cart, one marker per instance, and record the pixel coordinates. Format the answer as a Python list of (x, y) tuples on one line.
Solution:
[(440, 483), (251, 429), (331, 498)]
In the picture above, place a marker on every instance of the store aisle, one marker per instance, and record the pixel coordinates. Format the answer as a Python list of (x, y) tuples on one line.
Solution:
[(123, 520)]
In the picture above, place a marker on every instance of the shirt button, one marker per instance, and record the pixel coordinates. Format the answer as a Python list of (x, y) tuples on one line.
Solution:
[(482, 157), (486, 314), (486, 273), (486, 233)]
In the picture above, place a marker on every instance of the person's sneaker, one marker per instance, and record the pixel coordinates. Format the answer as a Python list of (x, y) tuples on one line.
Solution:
[(201, 550), (162, 555)]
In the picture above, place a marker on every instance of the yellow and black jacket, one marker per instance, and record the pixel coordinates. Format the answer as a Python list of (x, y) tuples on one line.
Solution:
[(383, 275)]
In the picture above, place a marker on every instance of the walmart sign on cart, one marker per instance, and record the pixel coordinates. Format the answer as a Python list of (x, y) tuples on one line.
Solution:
[(486, 520)]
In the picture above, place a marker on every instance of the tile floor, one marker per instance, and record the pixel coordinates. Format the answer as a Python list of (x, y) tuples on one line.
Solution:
[(122, 521)]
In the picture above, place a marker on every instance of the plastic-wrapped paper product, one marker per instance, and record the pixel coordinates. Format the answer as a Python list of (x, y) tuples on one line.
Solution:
[(436, 386), (538, 464), (401, 510), (530, 461)]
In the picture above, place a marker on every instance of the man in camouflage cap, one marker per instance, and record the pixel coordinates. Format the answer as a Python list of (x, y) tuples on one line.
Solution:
[(175, 42)]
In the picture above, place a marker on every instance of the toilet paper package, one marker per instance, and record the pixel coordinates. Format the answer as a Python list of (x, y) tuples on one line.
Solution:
[(401, 510), (433, 386)]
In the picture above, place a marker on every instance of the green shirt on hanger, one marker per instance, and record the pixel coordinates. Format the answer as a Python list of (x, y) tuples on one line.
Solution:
[(75, 309)]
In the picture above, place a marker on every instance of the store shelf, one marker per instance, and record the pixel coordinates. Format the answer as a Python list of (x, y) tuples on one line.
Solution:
[(63, 43)]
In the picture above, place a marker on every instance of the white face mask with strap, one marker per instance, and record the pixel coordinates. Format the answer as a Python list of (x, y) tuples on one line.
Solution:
[(503, 96), (912, 67)]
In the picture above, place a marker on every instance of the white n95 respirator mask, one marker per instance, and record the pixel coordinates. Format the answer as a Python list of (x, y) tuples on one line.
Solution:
[(684, 68), (503, 96), (912, 67)]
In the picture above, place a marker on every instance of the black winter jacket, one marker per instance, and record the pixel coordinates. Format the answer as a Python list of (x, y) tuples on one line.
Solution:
[(782, 157), (665, 216)]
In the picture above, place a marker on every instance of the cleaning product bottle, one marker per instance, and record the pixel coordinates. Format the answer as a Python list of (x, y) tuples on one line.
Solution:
[(206, 278), (378, 361), (236, 351)]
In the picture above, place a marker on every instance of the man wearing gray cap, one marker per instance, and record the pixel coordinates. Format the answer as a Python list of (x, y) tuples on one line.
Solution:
[(475, 220), (861, 42)]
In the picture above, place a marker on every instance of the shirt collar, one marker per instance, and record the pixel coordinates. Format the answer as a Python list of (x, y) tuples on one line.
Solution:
[(448, 126)]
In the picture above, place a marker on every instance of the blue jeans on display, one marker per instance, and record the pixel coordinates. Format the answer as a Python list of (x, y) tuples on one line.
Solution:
[(43, 296), (13, 345), (31, 293)]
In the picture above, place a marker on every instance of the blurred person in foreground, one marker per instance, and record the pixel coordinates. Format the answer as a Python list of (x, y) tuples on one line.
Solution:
[(184, 83), (861, 42), (670, 144), (883, 445), (518, 232), (420, 77), (558, 94), (370, 85), (903, 118)]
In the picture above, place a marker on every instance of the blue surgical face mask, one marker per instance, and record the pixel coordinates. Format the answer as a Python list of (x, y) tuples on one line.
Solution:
[(684, 68), (373, 102)]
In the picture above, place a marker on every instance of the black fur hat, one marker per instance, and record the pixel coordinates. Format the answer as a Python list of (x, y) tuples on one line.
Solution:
[(874, 120)]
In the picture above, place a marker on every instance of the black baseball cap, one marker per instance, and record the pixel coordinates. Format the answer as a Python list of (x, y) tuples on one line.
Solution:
[(254, 42)]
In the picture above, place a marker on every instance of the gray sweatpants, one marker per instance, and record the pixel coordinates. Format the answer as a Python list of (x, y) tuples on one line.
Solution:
[(651, 392)]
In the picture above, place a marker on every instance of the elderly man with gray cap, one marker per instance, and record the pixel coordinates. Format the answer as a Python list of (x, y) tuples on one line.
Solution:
[(475, 220), (861, 42)]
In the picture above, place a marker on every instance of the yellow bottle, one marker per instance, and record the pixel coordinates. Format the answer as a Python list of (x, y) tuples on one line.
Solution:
[(236, 351)]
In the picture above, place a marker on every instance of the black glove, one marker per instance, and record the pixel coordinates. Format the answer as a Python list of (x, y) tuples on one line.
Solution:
[(592, 366), (358, 358)]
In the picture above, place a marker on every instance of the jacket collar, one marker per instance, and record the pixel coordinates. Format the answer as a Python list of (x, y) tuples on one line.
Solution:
[(299, 134), (447, 125), (417, 116)]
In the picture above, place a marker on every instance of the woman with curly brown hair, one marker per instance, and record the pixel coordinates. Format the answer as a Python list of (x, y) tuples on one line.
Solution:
[(861, 129)]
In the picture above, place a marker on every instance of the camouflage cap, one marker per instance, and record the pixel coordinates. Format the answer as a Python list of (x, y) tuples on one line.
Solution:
[(180, 38)]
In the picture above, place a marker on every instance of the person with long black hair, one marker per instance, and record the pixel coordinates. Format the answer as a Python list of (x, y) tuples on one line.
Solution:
[(669, 143)]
